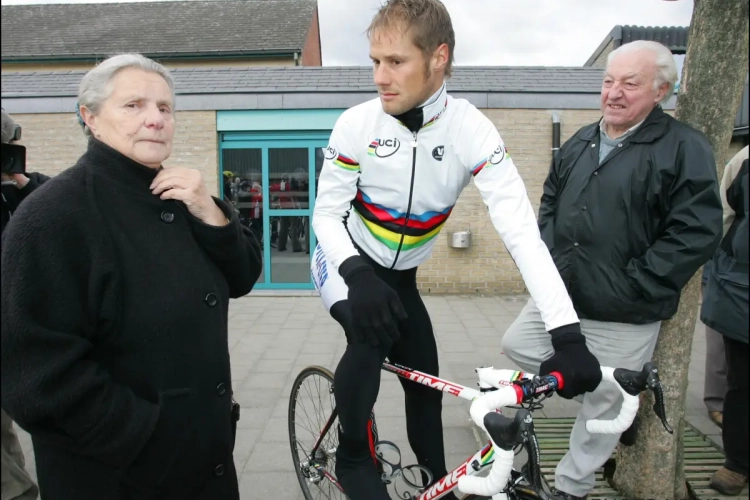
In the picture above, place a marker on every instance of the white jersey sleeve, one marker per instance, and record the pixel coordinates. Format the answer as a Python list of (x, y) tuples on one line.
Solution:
[(337, 188), (504, 193)]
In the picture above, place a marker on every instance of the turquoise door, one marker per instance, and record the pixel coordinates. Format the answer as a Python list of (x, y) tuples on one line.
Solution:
[(271, 180)]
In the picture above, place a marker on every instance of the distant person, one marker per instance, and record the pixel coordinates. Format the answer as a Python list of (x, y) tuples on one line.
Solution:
[(726, 310), (17, 484), (715, 383)]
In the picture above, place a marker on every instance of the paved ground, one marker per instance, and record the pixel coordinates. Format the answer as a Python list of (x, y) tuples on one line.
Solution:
[(273, 338)]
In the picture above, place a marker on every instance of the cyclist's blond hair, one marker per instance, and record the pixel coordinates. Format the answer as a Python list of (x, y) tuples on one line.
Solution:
[(428, 22)]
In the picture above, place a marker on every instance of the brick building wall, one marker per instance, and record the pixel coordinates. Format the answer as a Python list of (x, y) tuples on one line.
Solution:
[(54, 142), (486, 267), (311, 54)]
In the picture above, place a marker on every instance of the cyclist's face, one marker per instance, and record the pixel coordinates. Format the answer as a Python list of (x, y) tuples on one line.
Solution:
[(405, 79)]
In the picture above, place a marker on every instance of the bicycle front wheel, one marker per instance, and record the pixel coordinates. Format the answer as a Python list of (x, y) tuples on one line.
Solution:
[(313, 435)]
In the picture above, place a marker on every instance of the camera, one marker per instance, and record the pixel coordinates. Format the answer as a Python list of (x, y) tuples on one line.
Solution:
[(13, 160)]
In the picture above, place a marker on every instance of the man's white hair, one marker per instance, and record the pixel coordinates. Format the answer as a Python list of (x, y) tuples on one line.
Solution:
[(666, 68)]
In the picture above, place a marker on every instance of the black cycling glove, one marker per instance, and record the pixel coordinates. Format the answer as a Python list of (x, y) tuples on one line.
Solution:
[(375, 306), (579, 368)]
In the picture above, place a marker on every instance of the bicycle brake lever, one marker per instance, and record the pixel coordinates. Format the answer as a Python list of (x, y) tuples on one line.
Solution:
[(654, 385)]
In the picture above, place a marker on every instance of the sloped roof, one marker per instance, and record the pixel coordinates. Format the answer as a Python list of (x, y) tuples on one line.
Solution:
[(94, 31), (320, 79), (673, 37)]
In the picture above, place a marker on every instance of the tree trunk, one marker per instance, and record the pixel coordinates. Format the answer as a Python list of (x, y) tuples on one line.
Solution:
[(710, 91)]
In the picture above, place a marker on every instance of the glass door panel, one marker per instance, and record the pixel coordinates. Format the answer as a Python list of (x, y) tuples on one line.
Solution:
[(289, 198), (242, 177)]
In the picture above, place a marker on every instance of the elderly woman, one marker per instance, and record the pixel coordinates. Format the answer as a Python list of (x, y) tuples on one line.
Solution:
[(117, 276)]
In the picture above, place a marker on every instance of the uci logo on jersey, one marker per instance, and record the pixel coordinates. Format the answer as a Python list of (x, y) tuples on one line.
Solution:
[(498, 155), (383, 148), (330, 153)]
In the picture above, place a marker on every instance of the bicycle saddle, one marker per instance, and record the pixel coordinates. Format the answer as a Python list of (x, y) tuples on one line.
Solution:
[(506, 432)]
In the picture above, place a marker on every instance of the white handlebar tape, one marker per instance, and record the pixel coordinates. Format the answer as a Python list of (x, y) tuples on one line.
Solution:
[(491, 401), (495, 481), (627, 412)]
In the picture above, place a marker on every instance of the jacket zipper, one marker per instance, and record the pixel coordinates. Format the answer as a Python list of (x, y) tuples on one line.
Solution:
[(411, 192)]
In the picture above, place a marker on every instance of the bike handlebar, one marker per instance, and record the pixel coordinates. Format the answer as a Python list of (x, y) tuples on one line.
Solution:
[(504, 432), (627, 413)]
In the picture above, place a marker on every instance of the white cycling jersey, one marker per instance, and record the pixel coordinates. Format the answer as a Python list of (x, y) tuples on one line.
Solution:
[(400, 188)]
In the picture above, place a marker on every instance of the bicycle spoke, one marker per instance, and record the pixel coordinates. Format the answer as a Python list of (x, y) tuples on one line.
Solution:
[(310, 415), (309, 426), (321, 424), (309, 429)]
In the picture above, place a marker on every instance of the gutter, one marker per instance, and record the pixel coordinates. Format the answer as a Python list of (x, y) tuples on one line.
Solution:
[(51, 58)]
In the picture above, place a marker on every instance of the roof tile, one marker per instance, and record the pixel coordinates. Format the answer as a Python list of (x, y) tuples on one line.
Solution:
[(318, 79), (154, 28)]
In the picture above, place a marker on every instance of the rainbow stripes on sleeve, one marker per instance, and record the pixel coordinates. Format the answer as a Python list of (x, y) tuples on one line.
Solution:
[(387, 224), (346, 163), (479, 166)]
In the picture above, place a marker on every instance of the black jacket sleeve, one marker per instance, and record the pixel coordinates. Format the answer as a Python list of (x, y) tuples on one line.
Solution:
[(692, 226), (58, 294), (35, 180), (548, 205), (233, 248)]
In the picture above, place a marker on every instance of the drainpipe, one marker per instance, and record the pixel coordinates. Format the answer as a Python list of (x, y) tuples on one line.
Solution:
[(555, 133), (296, 59)]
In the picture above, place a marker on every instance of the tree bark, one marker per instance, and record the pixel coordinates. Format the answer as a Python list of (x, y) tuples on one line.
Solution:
[(710, 91)]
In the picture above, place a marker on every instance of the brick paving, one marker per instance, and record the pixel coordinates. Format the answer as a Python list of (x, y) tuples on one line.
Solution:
[(273, 338)]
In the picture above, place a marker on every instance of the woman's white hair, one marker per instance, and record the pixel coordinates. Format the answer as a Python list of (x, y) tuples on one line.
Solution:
[(666, 68), (95, 87)]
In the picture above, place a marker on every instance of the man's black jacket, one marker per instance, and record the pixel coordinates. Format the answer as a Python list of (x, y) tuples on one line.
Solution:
[(628, 234)]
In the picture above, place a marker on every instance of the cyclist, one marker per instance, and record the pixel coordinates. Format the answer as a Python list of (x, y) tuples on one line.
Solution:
[(399, 162)]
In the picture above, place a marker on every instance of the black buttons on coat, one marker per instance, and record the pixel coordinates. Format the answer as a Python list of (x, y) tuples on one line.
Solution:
[(211, 299), (167, 217)]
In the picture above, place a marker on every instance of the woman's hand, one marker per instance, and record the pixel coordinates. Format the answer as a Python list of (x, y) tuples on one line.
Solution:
[(186, 185)]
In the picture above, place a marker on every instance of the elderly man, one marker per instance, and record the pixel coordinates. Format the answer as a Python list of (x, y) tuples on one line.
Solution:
[(630, 211)]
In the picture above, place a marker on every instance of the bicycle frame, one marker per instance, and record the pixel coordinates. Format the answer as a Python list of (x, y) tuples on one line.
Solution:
[(481, 459)]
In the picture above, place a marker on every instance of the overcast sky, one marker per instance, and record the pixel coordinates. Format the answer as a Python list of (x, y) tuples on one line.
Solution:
[(493, 32)]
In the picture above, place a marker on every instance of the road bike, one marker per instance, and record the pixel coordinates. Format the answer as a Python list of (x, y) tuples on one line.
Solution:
[(312, 411)]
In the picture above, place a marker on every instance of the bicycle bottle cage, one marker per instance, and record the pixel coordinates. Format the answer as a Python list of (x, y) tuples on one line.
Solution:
[(411, 474), (389, 455), (384, 453)]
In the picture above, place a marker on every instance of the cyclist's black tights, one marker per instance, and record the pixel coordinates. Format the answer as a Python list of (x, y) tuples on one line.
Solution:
[(357, 379)]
